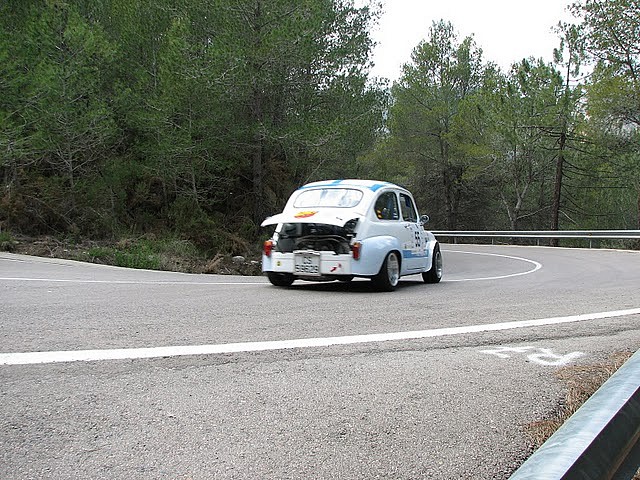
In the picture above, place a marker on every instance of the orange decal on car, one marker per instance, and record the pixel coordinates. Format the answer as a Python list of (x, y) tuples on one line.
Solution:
[(305, 214)]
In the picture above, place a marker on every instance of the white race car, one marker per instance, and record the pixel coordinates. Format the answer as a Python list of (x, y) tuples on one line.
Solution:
[(340, 229)]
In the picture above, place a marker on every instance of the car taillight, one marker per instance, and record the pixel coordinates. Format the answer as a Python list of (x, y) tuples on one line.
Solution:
[(268, 247), (355, 250)]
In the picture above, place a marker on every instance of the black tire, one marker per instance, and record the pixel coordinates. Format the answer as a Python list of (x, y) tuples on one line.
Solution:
[(389, 275), (280, 279), (434, 275)]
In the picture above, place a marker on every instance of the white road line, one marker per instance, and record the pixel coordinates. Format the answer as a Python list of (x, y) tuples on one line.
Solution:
[(536, 266), (126, 282), (136, 353)]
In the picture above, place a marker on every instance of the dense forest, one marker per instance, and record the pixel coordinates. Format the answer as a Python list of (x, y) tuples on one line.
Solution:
[(197, 118)]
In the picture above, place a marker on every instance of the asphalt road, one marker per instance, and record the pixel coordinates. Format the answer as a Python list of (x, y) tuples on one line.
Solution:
[(316, 381)]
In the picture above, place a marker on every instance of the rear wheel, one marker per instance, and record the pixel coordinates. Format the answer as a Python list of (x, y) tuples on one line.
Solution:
[(434, 275), (280, 279), (389, 275)]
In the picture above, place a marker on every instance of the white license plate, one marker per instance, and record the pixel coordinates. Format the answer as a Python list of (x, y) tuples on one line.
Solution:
[(307, 264)]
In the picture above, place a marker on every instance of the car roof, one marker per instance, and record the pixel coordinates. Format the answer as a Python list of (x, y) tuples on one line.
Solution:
[(331, 215), (372, 185)]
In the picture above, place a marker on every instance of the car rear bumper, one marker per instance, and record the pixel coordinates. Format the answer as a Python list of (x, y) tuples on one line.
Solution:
[(330, 264)]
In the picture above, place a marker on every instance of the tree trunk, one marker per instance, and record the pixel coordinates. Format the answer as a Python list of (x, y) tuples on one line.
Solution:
[(447, 183), (557, 189), (257, 178), (639, 208), (257, 114), (257, 153)]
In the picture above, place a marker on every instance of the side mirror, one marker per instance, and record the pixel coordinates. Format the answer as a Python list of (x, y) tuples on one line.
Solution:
[(424, 219)]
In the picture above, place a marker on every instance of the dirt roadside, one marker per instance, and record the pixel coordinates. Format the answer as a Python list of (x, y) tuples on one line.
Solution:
[(174, 255)]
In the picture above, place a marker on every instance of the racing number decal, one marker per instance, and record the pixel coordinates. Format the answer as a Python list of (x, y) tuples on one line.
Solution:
[(418, 238), (419, 241)]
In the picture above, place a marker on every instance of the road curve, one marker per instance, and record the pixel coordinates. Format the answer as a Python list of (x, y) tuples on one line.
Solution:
[(450, 402)]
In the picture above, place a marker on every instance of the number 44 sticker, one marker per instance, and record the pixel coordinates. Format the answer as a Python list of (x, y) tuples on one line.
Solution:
[(541, 356)]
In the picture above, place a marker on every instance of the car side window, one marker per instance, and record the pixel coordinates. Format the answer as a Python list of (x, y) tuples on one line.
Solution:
[(386, 206), (409, 212)]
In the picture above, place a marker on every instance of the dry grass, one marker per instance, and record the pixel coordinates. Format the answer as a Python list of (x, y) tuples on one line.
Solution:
[(581, 382)]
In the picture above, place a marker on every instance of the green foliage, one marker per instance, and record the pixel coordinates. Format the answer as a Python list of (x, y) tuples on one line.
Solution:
[(435, 122), (99, 254), (147, 253), (197, 118), (116, 113), (610, 35), (171, 253), (7, 242), (525, 111), (487, 150), (139, 255)]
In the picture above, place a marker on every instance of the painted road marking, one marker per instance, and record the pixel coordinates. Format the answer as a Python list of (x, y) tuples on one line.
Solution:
[(544, 356), (153, 352), (127, 282), (536, 266)]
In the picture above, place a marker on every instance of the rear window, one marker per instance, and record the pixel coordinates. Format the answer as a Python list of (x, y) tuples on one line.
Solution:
[(328, 197)]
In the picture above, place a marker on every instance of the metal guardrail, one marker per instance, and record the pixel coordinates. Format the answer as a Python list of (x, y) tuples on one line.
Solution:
[(600, 441), (541, 234)]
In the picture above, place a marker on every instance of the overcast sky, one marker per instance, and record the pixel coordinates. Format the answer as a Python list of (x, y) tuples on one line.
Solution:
[(506, 30)]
